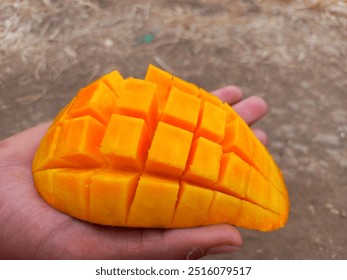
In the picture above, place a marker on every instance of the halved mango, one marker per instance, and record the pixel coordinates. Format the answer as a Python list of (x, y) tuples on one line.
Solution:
[(158, 152)]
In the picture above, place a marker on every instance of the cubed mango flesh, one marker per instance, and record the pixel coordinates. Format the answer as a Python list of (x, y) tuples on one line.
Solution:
[(157, 153)]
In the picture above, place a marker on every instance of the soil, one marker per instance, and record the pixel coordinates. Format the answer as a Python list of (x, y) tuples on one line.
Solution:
[(292, 53)]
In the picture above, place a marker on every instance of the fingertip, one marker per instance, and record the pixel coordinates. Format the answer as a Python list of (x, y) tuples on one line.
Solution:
[(232, 234), (194, 243), (229, 241), (261, 103), (229, 94), (261, 135), (251, 109)]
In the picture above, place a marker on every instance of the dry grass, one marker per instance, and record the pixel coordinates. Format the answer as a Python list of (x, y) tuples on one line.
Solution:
[(31, 30), (330, 6), (322, 4)]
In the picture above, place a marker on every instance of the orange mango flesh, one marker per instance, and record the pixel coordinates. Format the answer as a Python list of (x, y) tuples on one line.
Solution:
[(158, 152)]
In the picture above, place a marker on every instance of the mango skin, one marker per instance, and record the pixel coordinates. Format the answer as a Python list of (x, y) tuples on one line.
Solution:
[(158, 152)]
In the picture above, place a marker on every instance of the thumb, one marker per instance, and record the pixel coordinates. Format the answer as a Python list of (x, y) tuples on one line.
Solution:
[(194, 243), (190, 243), (165, 244)]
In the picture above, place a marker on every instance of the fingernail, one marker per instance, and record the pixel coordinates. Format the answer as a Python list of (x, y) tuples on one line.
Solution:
[(195, 253), (222, 249)]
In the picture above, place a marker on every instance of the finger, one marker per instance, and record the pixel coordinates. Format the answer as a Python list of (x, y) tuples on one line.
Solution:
[(194, 243), (251, 109), (189, 243), (229, 94), (261, 135), (202, 241)]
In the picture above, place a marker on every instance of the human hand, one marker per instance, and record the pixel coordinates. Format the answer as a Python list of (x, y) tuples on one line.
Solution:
[(31, 229)]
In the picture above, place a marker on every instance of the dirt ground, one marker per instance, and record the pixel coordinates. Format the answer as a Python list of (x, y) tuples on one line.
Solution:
[(292, 53)]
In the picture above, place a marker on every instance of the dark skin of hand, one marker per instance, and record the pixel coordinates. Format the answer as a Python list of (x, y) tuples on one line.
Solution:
[(31, 229)]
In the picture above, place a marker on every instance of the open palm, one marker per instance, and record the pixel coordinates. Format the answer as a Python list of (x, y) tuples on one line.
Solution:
[(31, 229)]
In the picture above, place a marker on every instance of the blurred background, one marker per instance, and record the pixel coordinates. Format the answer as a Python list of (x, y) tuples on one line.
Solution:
[(291, 53)]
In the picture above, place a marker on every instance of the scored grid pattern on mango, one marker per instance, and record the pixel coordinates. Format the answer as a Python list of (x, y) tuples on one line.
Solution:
[(158, 152)]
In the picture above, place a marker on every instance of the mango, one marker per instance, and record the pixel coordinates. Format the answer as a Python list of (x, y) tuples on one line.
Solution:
[(159, 152)]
